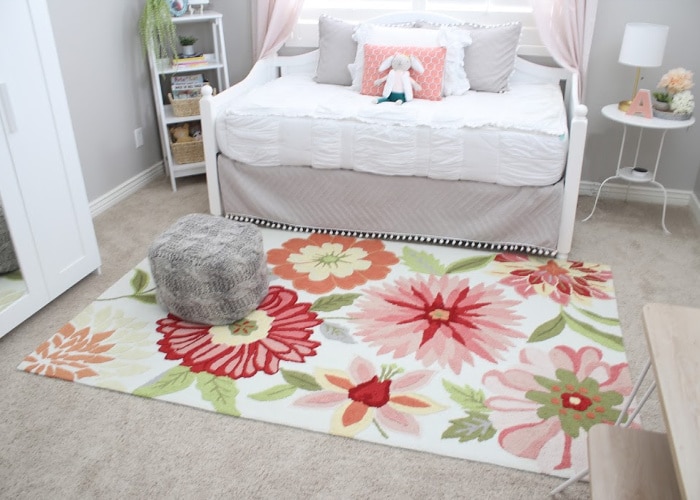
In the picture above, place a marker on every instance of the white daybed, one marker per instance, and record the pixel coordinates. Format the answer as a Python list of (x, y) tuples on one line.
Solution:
[(319, 175)]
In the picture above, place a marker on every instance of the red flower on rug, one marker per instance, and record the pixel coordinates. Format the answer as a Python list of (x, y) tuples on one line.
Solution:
[(562, 281), (543, 407), (69, 354), (444, 320), (363, 397), (278, 330), (322, 262)]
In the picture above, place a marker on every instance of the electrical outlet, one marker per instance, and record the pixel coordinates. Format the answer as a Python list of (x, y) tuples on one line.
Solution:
[(138, 137)]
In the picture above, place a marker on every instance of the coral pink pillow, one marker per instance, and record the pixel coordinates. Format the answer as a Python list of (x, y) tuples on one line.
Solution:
[(432, 58)]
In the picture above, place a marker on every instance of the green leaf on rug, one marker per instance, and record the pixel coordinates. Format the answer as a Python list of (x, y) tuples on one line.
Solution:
[(468, 398), (470, 264), (146, 298), (333, 302), (422, 262), (221, 392), (174, 380), (274, 393), (300, 380), (475, 425), (548, 329), (333, 331), (139, 281), (597, 317), (609, 340)]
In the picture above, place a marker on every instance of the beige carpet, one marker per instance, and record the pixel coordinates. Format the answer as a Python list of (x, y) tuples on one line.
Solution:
[(63, 440)]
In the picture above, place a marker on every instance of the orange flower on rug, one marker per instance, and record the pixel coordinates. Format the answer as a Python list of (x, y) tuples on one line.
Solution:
[(322, 262)]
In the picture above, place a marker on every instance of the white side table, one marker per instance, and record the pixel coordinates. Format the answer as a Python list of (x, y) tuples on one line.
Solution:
[(629, 174)]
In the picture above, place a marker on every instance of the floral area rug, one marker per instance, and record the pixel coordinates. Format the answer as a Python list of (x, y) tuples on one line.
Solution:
[(499, 358)]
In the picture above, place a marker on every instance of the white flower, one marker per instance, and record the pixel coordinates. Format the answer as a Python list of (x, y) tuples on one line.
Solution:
[(683, 102)]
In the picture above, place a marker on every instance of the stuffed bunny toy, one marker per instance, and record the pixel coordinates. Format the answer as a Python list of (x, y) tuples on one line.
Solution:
[(399, 85)]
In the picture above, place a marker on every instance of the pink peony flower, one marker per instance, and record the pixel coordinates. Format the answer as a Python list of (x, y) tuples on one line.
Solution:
[(445, 320), (543, 408), (561, 281)]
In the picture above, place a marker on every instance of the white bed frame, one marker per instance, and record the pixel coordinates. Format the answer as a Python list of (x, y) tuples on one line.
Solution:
[(270, 68)]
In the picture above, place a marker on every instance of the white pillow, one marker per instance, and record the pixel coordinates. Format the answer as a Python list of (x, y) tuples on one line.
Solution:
[(455, 81)]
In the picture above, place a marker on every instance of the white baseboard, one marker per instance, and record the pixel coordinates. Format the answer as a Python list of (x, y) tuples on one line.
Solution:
[(125, 189), (644, 193)]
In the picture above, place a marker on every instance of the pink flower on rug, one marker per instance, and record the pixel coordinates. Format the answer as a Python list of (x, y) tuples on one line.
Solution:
[(562, 281), (70, 353), (322, 262), (363, 397), (444, 320), (278, 330), (543, 408)]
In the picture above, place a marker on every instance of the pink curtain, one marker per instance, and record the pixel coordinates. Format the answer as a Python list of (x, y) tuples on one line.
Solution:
[(275, 20), (566, 29)]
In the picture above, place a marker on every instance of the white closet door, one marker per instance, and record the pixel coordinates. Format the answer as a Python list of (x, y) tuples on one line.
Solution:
[(42, 145)]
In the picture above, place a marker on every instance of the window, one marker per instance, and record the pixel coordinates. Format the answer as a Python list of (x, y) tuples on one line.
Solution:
[(478, 11)]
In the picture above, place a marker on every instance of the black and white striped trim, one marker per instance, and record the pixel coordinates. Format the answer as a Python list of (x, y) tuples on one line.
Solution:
[(412, 238)]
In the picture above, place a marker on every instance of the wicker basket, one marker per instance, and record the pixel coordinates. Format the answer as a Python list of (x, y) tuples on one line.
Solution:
[(187, 152), (186, 107)]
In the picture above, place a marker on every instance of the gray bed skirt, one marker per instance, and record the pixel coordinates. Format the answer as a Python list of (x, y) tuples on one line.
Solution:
[(472, 214)]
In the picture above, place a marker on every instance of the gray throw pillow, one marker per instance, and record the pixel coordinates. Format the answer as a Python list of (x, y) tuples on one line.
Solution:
[(337, 49), (490, 59)]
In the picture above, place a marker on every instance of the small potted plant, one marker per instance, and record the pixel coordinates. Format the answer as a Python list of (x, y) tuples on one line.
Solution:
[(187, 43), (157, 30), (662, 101)]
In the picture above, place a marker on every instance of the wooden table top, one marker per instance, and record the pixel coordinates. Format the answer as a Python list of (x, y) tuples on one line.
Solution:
[(673, 336)]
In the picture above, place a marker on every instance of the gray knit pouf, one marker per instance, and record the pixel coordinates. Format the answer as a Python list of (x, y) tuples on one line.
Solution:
[(209, 269)]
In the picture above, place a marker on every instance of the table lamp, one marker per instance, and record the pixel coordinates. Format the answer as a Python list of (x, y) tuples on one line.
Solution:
[(643, 46)]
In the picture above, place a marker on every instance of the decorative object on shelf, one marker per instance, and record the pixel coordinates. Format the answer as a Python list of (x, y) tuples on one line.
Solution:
[(157, 30), (187, 43), (675, 88), (640, 105), (178, 7), (201, 4), (643, 46)]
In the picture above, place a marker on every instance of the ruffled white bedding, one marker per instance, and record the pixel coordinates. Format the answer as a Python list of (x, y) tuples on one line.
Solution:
[(517, 138)]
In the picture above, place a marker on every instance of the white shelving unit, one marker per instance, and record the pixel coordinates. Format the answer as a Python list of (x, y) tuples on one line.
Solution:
[(161, 71)]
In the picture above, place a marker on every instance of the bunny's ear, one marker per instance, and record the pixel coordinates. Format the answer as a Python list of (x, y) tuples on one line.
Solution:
[(416, 64), (386, 63)]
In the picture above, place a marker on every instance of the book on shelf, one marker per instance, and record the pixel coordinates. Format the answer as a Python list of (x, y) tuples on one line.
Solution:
[(182, 60), (187, 86)]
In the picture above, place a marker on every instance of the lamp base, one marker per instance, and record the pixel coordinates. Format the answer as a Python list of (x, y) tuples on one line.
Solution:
[(624, 106)]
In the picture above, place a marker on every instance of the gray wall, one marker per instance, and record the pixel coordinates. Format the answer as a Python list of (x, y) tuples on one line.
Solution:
[(108, 85), (109, 90)]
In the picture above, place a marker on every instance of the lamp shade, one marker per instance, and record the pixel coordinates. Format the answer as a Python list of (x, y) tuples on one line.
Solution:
[(643, 45)]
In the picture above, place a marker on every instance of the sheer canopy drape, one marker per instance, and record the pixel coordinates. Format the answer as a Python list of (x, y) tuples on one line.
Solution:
[(566, 29), (275, 20)]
